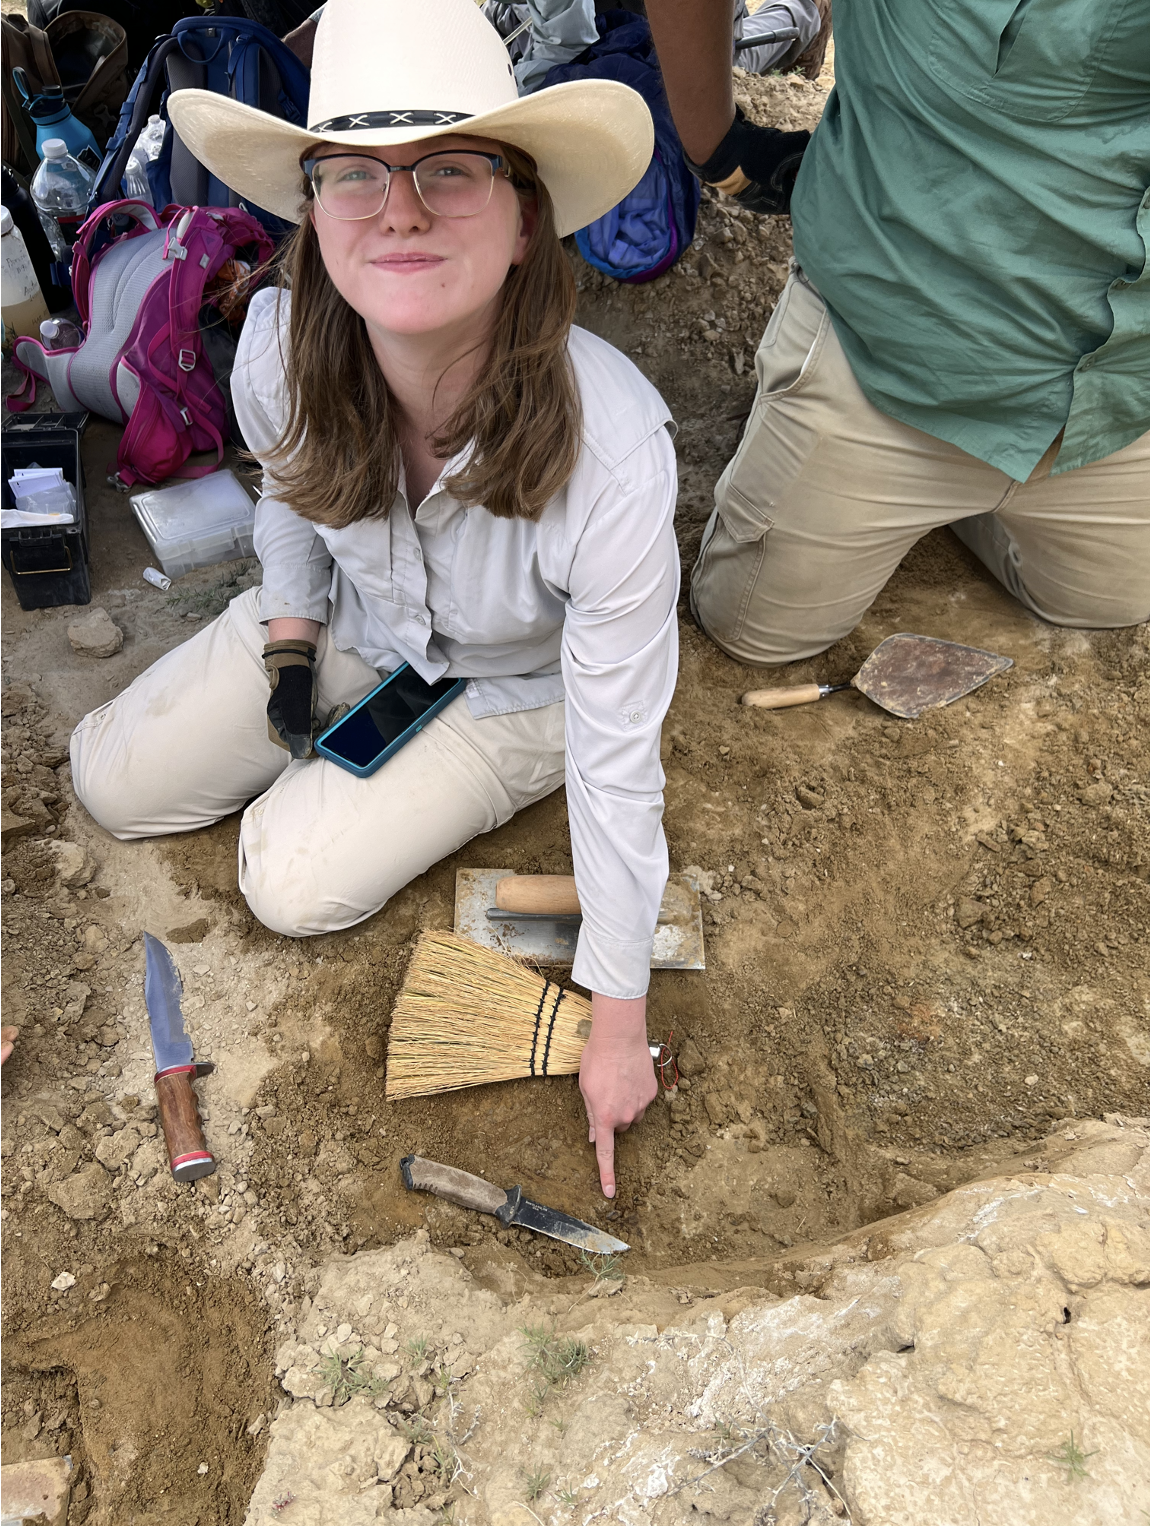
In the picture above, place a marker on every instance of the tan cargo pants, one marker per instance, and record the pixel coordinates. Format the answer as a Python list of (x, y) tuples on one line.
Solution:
[(826, 494), (319, 849)]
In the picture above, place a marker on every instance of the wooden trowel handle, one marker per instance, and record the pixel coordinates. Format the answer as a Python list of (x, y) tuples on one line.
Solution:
[(458, 1187), (188, 1153), (779, 699), (553, 893)]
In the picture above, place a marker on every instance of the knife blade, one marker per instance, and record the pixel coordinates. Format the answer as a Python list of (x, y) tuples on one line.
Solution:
[(510, 1207), (188, 1155), (163, 989)]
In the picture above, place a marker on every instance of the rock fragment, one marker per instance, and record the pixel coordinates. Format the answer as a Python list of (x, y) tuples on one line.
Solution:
[(13, 826), (72, 864), (691, 1060), (1096, 794), (968, 911), (85, 1194), (96, 634)]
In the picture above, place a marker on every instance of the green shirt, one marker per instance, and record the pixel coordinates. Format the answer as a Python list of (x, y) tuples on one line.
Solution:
[(974, 209)]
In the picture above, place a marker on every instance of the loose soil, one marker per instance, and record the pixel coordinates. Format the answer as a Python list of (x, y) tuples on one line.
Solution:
[(925, 942)]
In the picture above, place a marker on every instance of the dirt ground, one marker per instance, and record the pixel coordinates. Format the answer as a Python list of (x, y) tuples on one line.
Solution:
[(926, 941)]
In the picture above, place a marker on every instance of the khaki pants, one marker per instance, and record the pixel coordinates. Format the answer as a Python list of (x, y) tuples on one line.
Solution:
[(320, 849), (826, 494)]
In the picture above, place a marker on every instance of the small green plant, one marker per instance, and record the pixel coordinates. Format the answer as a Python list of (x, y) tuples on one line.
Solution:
[(346, 1376), (1071, 1457), (567, 1496), (442, 1459), (535, 1482), (442, 1378), (602, 1268), (418, 1348), (416, 1429), (561, 1426), (729, 1435), (556, 1358)]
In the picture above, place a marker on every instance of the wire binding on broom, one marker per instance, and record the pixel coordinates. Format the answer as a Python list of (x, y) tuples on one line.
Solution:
[(467, 1016)]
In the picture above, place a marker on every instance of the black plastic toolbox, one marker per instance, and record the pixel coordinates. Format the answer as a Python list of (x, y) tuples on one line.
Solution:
[(48, 564)]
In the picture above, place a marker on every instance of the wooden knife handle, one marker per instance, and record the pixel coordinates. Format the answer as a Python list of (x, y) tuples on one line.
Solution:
[(188, 1153), (779, 699), (554, 893), (458, 1187)]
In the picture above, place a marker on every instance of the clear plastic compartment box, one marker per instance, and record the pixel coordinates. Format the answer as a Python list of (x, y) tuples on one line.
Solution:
[(197, 523)]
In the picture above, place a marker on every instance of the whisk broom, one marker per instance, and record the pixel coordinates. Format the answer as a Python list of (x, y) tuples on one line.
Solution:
[(467, 1016)]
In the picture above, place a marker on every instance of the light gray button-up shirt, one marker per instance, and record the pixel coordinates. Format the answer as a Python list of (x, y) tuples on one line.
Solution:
[(579, 604)]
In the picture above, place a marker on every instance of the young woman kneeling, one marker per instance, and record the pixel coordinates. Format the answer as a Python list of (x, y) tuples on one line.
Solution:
[(454, 478)]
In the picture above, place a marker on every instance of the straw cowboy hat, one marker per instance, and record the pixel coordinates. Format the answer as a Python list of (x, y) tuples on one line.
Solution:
[(401, 71)]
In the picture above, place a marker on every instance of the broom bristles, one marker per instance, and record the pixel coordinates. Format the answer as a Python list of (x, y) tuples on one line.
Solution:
[(467, 1016)]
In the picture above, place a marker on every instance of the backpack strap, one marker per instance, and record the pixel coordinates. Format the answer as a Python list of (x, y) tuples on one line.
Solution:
[(16, 402), (100, 230), (133, 119)]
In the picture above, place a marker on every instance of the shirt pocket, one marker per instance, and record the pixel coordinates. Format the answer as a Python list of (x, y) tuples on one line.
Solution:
[(1029, 59), (777, 441)]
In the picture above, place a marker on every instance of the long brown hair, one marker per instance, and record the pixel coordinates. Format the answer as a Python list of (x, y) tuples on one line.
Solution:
[(338, 460)]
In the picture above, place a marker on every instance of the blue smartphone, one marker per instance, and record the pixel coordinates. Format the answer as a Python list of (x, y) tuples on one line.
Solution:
[(391, 715)]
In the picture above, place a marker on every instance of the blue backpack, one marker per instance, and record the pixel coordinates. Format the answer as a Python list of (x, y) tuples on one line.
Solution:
[(229, 55), (651, 227)]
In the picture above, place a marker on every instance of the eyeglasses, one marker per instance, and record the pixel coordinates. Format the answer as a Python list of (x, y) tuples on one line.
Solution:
[(352, 187)]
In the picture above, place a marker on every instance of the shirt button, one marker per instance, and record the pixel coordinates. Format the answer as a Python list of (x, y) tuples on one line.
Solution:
[(1086, 363), (419, 620), (636, 716)]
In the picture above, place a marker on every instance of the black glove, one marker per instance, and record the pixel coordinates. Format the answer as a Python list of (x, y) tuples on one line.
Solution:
[(291, 709), (755, 165)]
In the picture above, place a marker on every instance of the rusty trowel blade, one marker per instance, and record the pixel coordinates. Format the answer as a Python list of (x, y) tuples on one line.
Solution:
[(907, 674), (551, 940)]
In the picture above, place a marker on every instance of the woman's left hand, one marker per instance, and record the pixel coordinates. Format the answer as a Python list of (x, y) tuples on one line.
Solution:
[(616, 1076)]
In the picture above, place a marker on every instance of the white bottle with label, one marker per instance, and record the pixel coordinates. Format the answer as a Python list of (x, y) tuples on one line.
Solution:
[(23, 301)]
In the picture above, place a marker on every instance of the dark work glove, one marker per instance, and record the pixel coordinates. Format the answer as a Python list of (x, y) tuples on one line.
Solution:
[(755, 165), (291, 709)]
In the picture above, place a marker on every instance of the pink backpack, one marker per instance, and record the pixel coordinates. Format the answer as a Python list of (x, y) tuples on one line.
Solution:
[(142, 363)]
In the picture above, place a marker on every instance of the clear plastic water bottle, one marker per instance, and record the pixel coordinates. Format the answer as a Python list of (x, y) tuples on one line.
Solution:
[(147, 149), (60, 334), (61, 188)]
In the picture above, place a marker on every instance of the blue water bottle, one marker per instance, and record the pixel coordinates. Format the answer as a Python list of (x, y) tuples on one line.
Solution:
[(52, 117)]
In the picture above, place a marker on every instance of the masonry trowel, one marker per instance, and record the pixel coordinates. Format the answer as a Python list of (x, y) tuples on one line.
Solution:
[(538, 916), (905, 674)]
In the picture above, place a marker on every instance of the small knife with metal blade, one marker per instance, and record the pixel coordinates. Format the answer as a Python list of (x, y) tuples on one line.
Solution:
[(511, 1208), (188, 1153)]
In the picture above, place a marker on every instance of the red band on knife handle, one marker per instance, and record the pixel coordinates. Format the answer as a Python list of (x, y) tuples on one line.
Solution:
[(188, 1153)]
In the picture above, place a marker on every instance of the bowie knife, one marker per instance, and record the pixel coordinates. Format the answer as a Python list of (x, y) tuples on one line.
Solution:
[(511, 1208), (188, 1153)]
